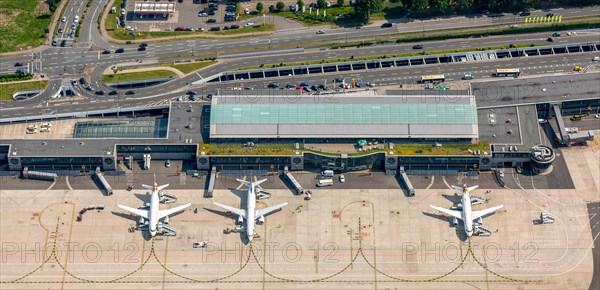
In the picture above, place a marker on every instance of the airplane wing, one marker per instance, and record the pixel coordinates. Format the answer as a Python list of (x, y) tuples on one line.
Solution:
[(454, 213), (168, 212), (480, 213), (148, 187), (234, 210), (268, 210), (141, 212)]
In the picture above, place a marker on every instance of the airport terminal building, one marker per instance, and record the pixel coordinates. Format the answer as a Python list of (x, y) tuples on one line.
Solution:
[(178, 130), (330, 118)]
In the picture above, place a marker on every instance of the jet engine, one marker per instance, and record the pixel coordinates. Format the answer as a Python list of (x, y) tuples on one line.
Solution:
[(166, 220), (454, 221), (240, 220), (261, 220), (479, 221), (141, 221)]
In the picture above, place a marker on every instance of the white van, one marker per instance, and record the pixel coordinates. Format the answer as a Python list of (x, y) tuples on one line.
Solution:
[(325, 182), (596, 58), (328, 173)]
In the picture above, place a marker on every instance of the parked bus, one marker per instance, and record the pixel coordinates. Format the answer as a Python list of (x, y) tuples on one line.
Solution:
[(432, 79), (508, 72)]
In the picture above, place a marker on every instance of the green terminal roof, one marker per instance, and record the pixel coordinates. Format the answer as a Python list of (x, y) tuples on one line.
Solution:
[(343, 114)]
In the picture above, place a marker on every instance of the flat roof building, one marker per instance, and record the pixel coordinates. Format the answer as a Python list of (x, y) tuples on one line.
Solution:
[(344, 116)]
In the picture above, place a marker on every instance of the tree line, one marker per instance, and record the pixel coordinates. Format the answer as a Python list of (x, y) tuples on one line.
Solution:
[(364, 9)]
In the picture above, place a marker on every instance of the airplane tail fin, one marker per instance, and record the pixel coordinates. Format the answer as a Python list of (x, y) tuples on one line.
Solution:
[(244, 182), (251, 184), (464, 189), (162, 187), (259, 182)]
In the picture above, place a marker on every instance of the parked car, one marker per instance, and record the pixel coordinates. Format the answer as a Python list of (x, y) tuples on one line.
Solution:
[(200, 244), (234, 26), (130, 93), (19, 64), (386, 25), (211, 20), (202, 14), (216, 28), (179, 28), (119, 50), (64, 19), (418, 46), (168, 163), (112, 93), (189, 29), (60, 30), (106, 51), (54, 42), (525, 13), (370, 84), (249, 24), (100, 92), (74, 82), (63, 43), (556, 34), (342, 178), (321, 31)]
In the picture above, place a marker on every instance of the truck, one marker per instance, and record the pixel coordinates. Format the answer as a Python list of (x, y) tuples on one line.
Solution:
[(325, 182), (576, 117)]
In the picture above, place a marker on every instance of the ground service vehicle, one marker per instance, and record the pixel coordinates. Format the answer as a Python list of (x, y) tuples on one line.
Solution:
[(325, 182)]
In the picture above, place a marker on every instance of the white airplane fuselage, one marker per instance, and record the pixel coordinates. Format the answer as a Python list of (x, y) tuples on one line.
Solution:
[(250, 213), (467, 213), (154, 208)]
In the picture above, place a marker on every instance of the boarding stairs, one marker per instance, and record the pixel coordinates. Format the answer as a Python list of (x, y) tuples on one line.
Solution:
[(167, 198), (546, 218), (166, 230), (481, 231)]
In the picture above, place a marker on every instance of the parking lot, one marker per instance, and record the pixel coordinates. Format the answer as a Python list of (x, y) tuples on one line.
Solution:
[(187, 16)]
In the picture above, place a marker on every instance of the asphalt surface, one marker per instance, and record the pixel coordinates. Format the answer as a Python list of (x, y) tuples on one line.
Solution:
[(594, 215), (63, 64), (407, 75)]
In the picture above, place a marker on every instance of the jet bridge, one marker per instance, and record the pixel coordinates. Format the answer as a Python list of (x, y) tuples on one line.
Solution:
[(103, 182), (409, 186), (295, 184), (211, 182), (30, 174), (560, 123)]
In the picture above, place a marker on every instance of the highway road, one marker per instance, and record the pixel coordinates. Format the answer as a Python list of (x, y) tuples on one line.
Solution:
[(62, 64), (405, 75)]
